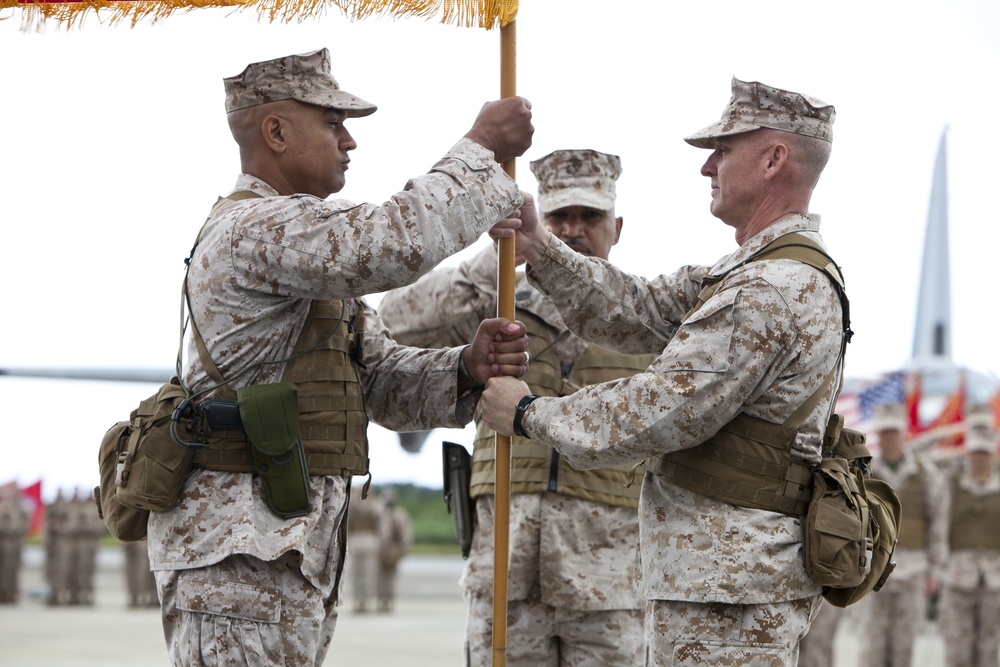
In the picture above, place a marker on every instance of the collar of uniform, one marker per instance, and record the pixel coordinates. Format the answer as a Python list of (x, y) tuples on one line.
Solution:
[(796, 222), (988, 487), (908, 466), (254, 184)]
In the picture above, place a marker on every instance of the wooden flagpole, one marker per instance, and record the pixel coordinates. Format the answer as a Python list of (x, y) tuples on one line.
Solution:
[(505, 308)]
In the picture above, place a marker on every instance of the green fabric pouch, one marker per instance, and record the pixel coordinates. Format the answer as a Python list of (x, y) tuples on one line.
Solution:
[(270, 418)]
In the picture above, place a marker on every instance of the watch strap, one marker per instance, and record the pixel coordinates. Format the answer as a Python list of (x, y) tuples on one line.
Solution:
[(522, 405)]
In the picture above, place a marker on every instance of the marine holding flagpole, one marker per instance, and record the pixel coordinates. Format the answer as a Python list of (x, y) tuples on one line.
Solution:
[(275, 288), (757, 358)]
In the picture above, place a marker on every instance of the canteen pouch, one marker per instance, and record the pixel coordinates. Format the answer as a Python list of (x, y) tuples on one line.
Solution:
[(142, 467), (270, 417), (852, 523), (461, 507), (125, 523), (838, 551)]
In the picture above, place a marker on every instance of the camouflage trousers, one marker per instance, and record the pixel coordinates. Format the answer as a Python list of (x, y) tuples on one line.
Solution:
[(816, 648), (889, 621), (245, 611), (542, 636), (970, 624), (685, 634)]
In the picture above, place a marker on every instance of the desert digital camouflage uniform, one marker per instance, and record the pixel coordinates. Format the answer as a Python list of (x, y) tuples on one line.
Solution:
[(715, 364), (59, 553), (573, 595), (572, 565), (397, 538), (364, 535), (89, 528), (889, 621), (233, 576), (14, 523), (817, 648), (969, 612), (725, 584)]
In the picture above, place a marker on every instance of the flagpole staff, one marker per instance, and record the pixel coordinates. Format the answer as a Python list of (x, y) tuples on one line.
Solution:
[(505, 308)]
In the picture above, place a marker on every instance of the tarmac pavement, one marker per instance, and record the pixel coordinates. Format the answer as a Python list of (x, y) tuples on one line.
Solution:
[(425, 629)]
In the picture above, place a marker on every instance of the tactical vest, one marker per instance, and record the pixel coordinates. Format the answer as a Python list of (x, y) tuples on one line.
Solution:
[(913, 497), (974, 519), (535, 467), (748, 462), (332, 419)]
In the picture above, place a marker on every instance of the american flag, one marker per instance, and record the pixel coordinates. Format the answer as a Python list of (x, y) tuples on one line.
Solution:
[(858, 406), (891, 389)]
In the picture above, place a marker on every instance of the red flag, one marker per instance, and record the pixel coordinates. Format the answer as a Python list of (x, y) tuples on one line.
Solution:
[(912, 401), (32, 496), (994, 404), (952, 413)]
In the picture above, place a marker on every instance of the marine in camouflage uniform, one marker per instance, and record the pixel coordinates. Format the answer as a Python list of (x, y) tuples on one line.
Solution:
[(573, 596), (60, 560), (397, 538), (14, 523), (725, 583), (969, 613), (889, 622), (364, 528), (237, 582), (89, 529)]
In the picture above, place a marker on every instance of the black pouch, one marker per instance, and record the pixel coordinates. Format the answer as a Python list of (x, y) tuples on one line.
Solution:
[(457, 473), (270, 417)]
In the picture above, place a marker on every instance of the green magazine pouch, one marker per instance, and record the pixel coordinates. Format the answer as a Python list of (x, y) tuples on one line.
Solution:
[(270, 416)]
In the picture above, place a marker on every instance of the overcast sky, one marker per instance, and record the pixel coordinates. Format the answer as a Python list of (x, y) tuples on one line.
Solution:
[(115, 146)]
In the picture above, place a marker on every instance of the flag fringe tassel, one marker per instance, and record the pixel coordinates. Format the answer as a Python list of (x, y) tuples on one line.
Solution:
[(486, 14)]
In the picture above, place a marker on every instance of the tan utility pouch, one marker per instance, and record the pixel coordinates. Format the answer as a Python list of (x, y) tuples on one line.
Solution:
[(142, 467), (850, 529), (270, 415), (838, 548)]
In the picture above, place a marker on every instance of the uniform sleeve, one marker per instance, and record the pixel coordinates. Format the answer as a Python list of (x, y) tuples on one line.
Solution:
[(304, 247), (611, 308), (739, 341), (445, 307), (408, 388)]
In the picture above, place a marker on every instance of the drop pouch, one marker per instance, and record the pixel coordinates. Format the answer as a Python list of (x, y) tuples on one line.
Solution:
[(270, 417), (457, 474)]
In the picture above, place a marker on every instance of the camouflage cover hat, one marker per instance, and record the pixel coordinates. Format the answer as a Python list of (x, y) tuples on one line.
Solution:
[(755, 105), (889, 417), (305, 77), (576, 178), (979, 440)]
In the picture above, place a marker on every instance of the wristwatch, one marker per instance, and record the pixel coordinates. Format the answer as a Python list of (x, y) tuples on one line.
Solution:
[(522, 405)]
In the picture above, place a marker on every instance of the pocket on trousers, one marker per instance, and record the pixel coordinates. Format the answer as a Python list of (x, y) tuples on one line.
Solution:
[(730, 654), (261, 604)]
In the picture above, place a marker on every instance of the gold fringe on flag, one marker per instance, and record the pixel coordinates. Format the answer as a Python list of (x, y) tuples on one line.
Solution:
[(486, 14)]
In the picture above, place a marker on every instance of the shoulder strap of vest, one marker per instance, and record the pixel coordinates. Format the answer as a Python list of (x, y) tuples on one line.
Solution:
[(799, 248), (206, 360)]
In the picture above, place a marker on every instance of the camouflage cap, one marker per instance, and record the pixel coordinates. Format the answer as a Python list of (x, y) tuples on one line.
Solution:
[(305, 77), (755, 105), (576, 178), (980, 440), (889, 417)]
